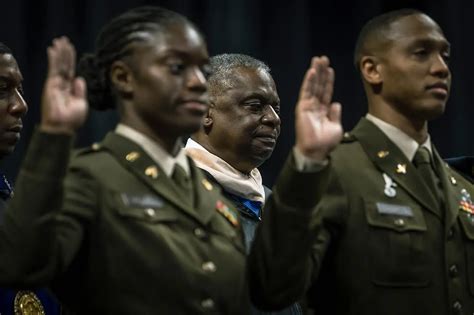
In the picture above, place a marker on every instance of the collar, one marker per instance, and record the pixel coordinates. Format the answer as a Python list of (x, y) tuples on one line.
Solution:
[(403, 141), (165, 160), (248, 186)]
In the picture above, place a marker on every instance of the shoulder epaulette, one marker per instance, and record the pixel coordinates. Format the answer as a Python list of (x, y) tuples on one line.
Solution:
[(95, 147), (348, 137)]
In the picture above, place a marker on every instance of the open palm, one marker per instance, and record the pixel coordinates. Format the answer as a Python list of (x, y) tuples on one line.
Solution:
[(318, 121), (64, 104)]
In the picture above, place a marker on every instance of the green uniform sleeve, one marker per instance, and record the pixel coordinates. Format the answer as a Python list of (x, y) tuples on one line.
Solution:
[(280, 265)]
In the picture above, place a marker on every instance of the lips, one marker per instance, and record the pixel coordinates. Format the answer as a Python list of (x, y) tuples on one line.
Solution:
[(195, 105), (16, 128), (439, 88)]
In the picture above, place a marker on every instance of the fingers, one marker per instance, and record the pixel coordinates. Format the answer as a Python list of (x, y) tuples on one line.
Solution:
[(306, 90), (79, 88), (61, 59), (326, 93), (334, 113)]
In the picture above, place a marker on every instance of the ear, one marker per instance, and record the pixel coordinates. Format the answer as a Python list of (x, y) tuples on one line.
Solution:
[(208, 118), (370, 69), (121, 77)]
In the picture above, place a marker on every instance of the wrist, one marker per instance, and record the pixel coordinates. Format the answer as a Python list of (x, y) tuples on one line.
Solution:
[(55, 129)]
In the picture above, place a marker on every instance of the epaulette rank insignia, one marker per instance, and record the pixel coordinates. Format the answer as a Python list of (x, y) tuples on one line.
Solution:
[(223, 209)]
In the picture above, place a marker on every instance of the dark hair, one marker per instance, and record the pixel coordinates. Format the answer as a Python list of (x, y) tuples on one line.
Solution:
[(4, 49), (222, 65), (113, 43), (376, 29)]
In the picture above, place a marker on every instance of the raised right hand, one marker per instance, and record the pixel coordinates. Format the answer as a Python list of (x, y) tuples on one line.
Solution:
[(64, 101)]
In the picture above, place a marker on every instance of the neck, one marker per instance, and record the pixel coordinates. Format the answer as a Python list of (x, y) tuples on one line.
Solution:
[(416, 129), (169, 143)]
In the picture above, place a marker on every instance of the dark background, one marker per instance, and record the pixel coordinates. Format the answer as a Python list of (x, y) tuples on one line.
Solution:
[(284, 34)]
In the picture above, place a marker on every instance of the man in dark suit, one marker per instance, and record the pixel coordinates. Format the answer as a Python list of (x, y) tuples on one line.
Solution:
[(243, 94), (394, 233), (12, 109)]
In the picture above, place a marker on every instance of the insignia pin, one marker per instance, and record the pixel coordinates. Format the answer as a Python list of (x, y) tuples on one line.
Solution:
[(401, 169), (390, 185), (206, 184), (132, 156), (382, 154), (151, 171)]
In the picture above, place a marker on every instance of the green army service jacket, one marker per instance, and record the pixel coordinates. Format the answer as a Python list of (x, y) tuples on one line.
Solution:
[(118, 238), (383, 245)]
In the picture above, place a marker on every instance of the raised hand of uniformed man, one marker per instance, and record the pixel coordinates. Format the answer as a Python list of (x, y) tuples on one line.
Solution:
[(318, 120), (64, 103)]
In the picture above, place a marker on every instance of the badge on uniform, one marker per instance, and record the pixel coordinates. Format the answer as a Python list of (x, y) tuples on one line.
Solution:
[(390, 185), (223, 209), (466, 202), (142, 200)]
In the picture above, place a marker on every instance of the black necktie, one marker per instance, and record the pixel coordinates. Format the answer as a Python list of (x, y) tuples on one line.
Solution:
[(422, 162), (183, 182)]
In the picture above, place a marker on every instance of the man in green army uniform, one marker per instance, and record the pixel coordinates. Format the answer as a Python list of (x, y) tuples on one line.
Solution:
[(122, 236), (395, 229)]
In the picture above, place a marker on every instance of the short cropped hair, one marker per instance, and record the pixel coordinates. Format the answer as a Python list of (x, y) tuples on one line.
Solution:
[(376, 30), (222, 66), (4, 49)]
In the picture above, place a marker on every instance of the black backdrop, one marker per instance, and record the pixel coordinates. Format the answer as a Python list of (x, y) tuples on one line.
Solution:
[(285, 34)]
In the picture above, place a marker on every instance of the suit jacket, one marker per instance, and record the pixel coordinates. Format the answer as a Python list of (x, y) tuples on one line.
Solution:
[(397, 251), (123, 239)]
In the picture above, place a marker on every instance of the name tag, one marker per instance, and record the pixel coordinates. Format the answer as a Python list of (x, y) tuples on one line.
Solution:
[(390, 209), (142, 201)]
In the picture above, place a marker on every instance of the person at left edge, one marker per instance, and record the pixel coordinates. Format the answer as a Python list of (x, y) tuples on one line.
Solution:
[(12, 108)]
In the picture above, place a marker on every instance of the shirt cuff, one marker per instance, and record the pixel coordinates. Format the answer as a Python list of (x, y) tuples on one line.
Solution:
[(306, 164)]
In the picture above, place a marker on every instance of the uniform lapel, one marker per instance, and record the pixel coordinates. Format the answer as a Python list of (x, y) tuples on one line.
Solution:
[(206, 194), (390, 160), (132, 157), (451, 196)]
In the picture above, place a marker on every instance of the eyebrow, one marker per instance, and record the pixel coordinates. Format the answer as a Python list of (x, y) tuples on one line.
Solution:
[(431, 42), (260, 95)]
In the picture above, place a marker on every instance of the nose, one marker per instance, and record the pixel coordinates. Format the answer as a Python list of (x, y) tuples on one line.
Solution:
[(440, 67), (197, 80), (270, 117), (18, 106)]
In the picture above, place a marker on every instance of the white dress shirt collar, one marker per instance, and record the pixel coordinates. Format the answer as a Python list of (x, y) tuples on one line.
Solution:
[(404, 142), (159, 155)]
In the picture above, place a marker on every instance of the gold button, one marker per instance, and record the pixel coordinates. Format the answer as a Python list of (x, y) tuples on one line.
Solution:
[(399, 222), (200, 233), (132, 156), (150, 212), (209, 266), (95, 146), (208, 303), (453, 180)]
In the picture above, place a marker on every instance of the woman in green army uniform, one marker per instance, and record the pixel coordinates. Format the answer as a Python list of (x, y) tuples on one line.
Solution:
[(136, 228)]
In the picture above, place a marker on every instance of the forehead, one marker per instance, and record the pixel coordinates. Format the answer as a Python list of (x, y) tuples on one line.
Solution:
[(178, 37), (244, 78), (415, 27), (9, 67)]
